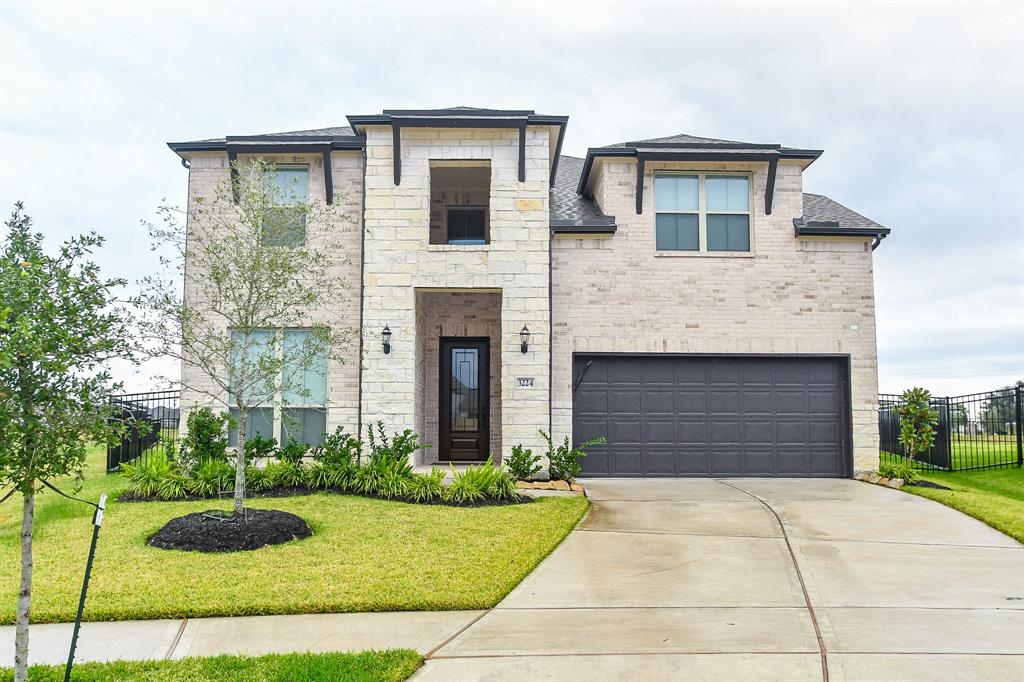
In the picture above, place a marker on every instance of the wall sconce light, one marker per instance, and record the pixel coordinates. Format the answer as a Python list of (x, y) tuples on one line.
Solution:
[(386, 338), (524, 339)]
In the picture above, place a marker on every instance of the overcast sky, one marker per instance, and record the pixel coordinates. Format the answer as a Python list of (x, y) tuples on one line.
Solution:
[(919, 107)]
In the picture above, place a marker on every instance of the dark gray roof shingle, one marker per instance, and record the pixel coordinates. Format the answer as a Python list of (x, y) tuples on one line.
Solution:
[(566, 207), (680, 138), (820, 209)]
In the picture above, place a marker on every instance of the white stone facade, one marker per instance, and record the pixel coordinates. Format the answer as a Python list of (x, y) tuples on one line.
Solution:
[(613, 293)]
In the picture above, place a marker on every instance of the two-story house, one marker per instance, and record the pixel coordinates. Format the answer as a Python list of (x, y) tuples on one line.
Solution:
[(681, 296)]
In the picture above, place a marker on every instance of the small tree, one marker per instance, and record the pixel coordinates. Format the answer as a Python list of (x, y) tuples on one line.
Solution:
[(250, 274), (58, 326), (917, 421)]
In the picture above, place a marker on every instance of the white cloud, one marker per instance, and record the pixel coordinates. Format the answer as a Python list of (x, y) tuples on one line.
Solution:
[(918, 106)]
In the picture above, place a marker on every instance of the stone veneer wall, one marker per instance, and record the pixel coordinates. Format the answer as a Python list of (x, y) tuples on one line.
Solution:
[(399, 260), (790, 296), (442, 313), (340, 237)]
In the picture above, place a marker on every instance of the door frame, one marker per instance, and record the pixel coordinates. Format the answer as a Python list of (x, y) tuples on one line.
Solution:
[(845, 361), (444, 403)]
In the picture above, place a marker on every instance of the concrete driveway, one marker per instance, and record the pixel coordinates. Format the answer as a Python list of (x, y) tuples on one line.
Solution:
[(757, 580)]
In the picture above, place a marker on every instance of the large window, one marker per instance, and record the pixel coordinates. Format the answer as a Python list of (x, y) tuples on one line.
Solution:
[(466, 224), (286, 222), (294, 404), (702, 212), (460, 197)]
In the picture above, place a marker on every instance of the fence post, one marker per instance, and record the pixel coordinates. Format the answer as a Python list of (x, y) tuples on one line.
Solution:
[(1019, 421)]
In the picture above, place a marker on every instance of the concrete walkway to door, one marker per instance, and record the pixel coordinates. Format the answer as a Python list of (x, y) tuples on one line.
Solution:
[(756, 580)]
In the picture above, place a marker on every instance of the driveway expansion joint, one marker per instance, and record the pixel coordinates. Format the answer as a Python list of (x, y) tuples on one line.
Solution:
[(176, 640), (799, 575)]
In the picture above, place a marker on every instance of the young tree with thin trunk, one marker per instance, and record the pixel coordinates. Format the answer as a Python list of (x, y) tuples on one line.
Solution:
[(59, 325), (249, 274)]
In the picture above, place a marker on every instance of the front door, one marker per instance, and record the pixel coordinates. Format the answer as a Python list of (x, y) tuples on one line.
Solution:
[(465, 399)]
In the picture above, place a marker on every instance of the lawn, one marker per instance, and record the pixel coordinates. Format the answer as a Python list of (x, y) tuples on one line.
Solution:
[(995, 496), (972, 452), (365, 555), (369, 666)]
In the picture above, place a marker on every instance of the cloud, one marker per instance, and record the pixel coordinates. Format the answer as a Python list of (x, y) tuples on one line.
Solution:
[(918, 106)]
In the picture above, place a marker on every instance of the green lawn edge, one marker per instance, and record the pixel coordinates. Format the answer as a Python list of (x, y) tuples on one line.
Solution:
[(393, 665), (993, 496)]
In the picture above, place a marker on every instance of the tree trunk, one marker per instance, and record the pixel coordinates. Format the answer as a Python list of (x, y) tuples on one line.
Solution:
[(25, 593), (240, 462)]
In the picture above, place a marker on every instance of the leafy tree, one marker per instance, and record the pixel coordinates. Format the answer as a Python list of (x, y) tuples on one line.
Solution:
[(998, 413), (917, 421), (250, 269), (59, 324)]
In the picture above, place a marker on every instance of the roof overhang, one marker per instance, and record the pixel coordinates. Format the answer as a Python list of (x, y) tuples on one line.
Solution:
[(583, 227), (516, 119), (832, 228), (696, 151)]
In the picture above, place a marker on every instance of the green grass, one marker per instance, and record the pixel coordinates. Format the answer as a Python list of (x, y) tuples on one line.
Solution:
[(369, 666), (973, 452), (365, 555), (995, 496)]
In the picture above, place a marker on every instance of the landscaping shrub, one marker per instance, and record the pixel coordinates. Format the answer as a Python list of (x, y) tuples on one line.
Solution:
[(293, 452), (427, 487), (206, 438), (259, 447), (322, 476), (340, 449), (480, 481), (917, 421), (564, 460), (173, 485), (213, 478), (399, 448), (257, 480), (144, 477), (900, 470), (285, 474), (523, 463)]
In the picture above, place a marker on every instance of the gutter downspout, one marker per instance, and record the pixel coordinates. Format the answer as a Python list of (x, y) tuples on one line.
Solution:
[(362, 290), (551, 327)]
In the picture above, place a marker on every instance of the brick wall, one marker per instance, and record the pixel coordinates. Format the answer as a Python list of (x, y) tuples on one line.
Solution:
[(340, 237), (790, 296)]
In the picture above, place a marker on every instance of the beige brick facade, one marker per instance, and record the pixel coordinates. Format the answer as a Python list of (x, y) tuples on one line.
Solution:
[(613, 293), (787, 296)]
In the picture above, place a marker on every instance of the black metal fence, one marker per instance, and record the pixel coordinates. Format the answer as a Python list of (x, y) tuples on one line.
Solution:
[(977, 431), (152, 421)]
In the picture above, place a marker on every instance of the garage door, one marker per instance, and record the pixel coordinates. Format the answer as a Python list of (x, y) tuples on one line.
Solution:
[(711, 416)]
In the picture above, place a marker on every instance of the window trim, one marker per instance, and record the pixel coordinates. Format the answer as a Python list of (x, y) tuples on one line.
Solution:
[(277, 403), (703, 212)]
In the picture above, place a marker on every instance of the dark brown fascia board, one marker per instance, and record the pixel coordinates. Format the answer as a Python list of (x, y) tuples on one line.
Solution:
[(261, 144), (582, 227), (631, 151), (458, 112), (831, 228), (428, 119)]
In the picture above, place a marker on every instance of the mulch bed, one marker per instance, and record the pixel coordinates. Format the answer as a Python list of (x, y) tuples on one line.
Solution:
[(929, 484), (226, 531)]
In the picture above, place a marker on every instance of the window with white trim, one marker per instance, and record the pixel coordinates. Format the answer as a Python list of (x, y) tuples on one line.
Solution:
[(702, 212), (295, 406)]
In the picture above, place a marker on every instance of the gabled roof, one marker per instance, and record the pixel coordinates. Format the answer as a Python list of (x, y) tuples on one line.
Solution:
[(823, 217), (685, 147), (571, 213), (335, 137)]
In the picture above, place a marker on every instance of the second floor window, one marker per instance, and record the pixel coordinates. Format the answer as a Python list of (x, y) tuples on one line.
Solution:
[(293, 404), (466, 224), (702, 212), (286, 221)]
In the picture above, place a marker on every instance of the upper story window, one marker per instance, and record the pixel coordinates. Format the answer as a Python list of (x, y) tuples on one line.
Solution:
[(293, 406), (702, 212), (460, 194), (286, 221)]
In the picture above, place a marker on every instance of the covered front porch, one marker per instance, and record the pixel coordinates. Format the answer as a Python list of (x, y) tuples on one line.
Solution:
[(458, 374)]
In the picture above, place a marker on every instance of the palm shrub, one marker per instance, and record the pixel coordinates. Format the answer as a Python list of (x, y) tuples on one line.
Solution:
[(564, 460), (323, 476), (481, 481), (427, 487), (174, 485), (523, 463), (212, 478), (286, 474), (257, 480), (206, 438), (144, 477), (917, 421)]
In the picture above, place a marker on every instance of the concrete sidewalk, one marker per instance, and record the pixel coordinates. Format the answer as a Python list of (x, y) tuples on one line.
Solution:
[(251, 635)]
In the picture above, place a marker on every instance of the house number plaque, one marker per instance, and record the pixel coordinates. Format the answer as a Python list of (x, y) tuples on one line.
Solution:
[(524, 382)]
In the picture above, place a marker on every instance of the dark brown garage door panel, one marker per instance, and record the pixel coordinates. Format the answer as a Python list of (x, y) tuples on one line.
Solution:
[(712, 416)]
